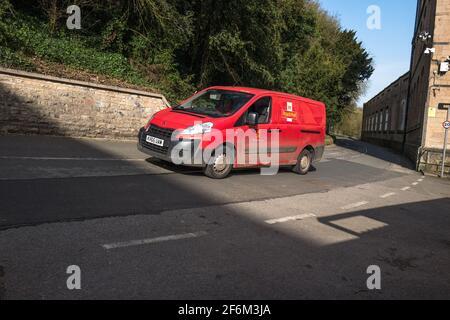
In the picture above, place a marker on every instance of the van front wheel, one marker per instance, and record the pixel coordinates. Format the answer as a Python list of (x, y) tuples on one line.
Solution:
[(303, 163), (220, 164)]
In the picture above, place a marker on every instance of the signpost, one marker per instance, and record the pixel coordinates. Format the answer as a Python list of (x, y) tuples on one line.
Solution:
[(446, 125)]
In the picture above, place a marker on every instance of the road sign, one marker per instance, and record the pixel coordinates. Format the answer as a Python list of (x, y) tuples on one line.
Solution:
[(444, 106), (446, 124)]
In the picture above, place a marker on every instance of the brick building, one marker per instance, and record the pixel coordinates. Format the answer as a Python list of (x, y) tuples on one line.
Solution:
[(406, 116)]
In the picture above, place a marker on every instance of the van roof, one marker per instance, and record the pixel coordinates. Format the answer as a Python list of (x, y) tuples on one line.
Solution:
[(257, 91)]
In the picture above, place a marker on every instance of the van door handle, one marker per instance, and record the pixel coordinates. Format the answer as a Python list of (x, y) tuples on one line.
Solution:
[(310, 131)]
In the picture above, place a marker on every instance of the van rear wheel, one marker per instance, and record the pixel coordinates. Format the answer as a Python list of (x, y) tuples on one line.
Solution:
[(220, 164), (303, 163)]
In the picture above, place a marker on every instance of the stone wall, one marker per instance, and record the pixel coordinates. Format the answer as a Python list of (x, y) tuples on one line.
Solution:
[(36, 104)]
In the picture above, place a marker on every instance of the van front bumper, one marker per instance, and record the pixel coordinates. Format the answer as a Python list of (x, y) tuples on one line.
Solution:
[(191, 146)]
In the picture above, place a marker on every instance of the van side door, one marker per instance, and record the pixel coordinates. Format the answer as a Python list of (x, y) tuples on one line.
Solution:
[(288, 124), (257, 141)]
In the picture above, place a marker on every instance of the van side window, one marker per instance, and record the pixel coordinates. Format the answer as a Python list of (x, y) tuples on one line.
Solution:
[(263, 107)]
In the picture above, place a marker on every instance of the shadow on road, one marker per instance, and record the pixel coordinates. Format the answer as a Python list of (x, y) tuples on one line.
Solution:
[(193, 171), (375, 151)]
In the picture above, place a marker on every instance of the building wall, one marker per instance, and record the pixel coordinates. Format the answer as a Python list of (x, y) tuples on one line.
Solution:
[(32, 103), (384, 115), (439, 92), (419, 78), (422, 140)]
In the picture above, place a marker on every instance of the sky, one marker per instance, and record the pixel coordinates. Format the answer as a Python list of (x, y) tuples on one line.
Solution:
[(390, 46)]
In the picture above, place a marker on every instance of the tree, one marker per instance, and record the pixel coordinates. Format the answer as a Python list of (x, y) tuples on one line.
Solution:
[(180, 45), (333, 69)]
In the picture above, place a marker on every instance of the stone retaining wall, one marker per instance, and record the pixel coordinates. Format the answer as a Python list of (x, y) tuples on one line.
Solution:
[(35, 104)]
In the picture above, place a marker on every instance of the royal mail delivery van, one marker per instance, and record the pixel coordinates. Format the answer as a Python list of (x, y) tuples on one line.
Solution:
[(223, 128)]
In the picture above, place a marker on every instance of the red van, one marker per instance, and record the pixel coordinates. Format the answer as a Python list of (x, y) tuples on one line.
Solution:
[(236, 127)]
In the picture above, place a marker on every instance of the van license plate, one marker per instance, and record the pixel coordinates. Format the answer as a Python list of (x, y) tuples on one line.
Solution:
[(153, 140)]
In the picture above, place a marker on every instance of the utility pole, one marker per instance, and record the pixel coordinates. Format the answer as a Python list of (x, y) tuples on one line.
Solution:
[(446, 126)]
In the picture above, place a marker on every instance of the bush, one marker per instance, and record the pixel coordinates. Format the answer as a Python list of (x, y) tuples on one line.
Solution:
[(330, 140), (34, 40), (351, 124)]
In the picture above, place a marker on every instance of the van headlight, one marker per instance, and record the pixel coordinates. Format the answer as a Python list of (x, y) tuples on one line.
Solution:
[(199, 128)]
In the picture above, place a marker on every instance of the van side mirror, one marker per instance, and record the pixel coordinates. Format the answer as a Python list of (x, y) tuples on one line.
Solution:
[(252, 118)]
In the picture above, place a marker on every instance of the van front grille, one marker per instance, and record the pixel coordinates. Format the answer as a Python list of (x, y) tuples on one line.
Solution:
[(157, 132)]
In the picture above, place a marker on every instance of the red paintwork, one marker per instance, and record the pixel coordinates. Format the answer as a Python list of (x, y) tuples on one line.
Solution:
[(311, 116)]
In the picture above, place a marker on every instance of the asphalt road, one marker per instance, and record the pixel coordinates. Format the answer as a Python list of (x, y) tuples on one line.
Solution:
[(140, 228)]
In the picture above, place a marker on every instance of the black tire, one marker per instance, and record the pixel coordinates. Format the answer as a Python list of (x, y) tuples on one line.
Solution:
[(304, 162), (216, 170)]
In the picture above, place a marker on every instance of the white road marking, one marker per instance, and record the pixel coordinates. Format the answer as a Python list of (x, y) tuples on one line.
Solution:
[(153, 240), (354, 205), (415, 183), (420, 180), (292, 218), (65, 159), (406, 188), (387, 195)]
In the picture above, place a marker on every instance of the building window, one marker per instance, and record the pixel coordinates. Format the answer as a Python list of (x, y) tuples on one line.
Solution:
[(402, 114), (375, 124), (380, 121), (386, 120), (375, 118)]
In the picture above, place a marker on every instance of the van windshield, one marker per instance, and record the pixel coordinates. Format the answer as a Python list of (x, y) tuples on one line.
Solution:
[(216, 103)]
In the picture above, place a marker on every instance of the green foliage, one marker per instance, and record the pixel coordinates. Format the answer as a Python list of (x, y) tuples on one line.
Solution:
[(179, 46), (113, 36), (11, 59), (350, 124), (5, 9), (332, 69), (330, 140)]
